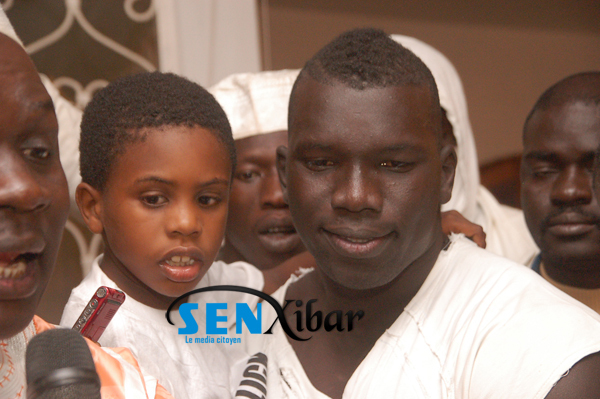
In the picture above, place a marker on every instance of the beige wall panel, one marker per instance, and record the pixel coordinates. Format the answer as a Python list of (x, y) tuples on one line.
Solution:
[(504, 68)]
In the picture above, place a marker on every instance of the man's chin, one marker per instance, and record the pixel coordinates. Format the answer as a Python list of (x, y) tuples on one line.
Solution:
[(15, 316)]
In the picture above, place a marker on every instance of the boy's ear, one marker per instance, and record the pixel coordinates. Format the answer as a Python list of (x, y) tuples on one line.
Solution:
[(89, 201), (449, 161), (282, 154)]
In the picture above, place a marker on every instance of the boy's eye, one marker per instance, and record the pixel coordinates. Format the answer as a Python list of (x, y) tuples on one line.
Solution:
[(209, 200), (319, 164), (247, 175), (154, 200), (38, 153)]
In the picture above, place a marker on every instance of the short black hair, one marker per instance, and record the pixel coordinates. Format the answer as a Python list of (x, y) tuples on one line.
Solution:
[(580, 87), (366, 58), (119, 111)]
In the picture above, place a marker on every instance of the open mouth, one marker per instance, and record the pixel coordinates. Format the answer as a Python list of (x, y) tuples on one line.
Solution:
[(279, 236), (19, 277), (179, 261), (183, 265), (14, 266)]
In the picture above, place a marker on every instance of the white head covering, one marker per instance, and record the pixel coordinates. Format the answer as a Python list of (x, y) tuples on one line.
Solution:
[(6, 27), (507, 233), (452, 99), (256, 103)]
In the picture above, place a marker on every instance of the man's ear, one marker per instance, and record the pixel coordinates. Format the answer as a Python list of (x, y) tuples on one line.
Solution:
[(282, 154), (449, 161), (89, 201)]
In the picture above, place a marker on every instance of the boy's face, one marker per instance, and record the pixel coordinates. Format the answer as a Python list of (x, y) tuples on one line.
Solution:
[(33, 190), (260, 225), (364, 178), (163, 210), (561, 210)]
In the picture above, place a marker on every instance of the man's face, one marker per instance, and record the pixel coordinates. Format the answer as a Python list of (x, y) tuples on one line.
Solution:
[(560, 207), (33, 190), (364, 178), (260, 226)]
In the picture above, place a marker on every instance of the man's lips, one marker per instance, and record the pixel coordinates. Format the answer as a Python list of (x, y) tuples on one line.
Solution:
[(278, 234), (18, 275), (182, 264), (570, 224), (357, 243)]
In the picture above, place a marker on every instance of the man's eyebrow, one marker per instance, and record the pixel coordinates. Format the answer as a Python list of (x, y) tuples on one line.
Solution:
[(309, 146), (403, 147), (541, 156)]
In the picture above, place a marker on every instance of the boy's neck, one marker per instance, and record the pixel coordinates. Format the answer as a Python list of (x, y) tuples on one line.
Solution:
[(130, 284)]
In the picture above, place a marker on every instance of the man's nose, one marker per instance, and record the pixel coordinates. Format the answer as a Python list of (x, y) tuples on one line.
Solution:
[(572, 187), (355, 191), (271, 195), (20, 187)]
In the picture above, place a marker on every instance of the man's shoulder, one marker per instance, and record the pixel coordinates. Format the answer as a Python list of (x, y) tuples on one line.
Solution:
[(468, 283)]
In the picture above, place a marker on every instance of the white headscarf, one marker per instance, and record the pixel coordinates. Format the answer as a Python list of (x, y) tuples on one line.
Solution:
[(6, 27), (452, 99), (256, 103), (507, 233)]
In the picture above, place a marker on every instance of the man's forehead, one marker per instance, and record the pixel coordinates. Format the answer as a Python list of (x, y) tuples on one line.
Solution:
[(332, 107), (573, 121)]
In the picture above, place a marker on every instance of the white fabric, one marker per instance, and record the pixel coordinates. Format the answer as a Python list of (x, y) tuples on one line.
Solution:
[(479, 327), (256, 103), (69, 120), (185, 370), (507, 233), (12, 363), (6, 27)]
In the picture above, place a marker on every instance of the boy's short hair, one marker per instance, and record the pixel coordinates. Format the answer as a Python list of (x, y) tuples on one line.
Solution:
[(116, 114), (366, 58)]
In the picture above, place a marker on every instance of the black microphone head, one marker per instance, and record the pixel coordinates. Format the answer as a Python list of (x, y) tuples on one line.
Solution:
[(59, 365)]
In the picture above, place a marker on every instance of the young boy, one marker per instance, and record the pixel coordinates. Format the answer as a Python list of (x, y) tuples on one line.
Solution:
[(365, 173), (157, 158)]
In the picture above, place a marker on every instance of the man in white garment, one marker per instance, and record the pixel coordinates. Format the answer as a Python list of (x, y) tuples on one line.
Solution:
[(560, 137), (395, 308), (34, 204)]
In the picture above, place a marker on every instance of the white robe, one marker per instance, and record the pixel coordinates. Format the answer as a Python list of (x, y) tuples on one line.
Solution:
[(188, 371), (479, 327), (507, 233)]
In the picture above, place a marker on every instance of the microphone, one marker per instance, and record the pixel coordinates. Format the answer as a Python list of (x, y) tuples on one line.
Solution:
[(59, 365)]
